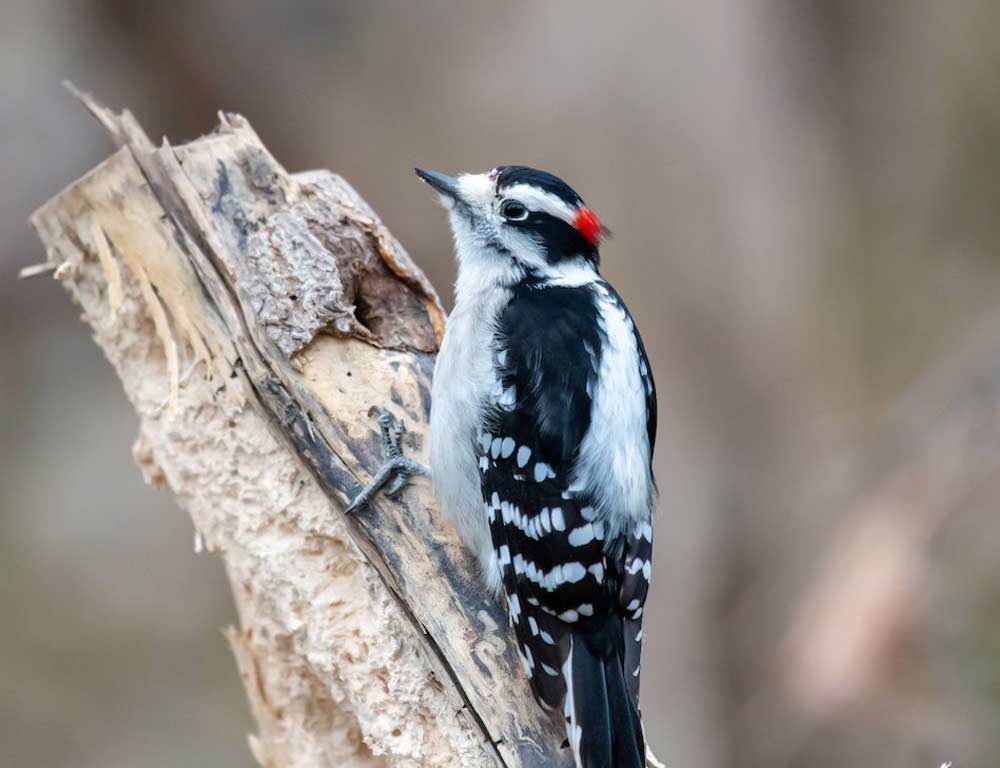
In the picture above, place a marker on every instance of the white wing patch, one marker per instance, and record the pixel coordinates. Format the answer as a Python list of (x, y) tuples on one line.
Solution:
[(613, 467)]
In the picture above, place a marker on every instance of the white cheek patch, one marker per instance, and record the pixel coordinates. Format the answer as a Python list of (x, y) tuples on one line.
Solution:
[(535, 199)]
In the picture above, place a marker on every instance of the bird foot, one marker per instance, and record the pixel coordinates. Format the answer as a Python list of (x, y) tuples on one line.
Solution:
[(397, 470)]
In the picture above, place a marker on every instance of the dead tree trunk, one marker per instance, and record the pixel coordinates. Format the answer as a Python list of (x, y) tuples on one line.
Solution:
[(253, 317)]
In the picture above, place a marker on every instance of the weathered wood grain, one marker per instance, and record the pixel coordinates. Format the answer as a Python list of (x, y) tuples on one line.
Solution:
[(296, 299)]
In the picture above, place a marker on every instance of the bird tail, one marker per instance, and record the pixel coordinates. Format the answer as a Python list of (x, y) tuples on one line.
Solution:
[(603, 725)]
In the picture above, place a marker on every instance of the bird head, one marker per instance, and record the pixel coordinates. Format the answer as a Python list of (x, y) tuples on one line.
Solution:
[(516, 221)]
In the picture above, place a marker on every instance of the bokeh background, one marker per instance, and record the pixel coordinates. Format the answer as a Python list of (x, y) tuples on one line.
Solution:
[(804, 196)]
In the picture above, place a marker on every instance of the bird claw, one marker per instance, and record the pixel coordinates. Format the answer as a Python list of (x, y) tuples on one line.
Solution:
[(396, 471)]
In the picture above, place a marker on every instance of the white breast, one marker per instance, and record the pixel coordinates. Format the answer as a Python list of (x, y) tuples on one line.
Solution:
[(464, 377), (613, 463)]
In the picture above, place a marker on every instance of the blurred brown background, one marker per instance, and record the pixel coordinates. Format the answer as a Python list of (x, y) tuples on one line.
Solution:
[(804, 198)]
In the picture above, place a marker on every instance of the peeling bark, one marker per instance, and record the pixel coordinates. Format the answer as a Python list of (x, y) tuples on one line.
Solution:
[(253, 317)]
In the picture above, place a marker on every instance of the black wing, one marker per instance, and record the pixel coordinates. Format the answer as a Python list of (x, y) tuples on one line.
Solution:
[(574, 598), (549, 545)]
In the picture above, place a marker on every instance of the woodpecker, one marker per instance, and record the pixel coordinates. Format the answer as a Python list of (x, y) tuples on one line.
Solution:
[(543, 421)]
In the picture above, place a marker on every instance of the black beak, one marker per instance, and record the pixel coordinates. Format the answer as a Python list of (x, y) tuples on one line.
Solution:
[(446, 185)]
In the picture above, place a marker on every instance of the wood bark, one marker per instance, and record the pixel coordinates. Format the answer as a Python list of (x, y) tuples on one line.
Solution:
[(254, 316)]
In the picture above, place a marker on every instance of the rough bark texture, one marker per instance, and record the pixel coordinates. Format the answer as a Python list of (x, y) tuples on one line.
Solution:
[(253, 317)]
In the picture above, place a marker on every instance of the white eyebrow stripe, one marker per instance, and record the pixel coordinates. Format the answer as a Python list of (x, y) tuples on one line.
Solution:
[(535, 199)]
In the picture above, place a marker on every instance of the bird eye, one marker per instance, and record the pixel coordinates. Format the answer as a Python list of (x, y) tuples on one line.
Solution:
[(514, 211)]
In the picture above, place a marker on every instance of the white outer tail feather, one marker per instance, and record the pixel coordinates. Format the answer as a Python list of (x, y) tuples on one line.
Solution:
[(573, 730)]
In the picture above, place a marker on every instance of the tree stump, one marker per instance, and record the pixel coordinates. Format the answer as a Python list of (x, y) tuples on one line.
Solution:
[(254, 316)]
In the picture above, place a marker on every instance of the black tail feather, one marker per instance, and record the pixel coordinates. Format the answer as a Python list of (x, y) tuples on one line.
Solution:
[(609, 731), (629, 745)]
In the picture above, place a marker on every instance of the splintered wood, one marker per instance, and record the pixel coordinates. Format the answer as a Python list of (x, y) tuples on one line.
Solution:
[(254, 317)]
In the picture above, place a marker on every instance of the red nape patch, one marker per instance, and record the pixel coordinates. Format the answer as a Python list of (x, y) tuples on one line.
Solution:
[(587, 223)]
